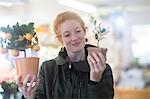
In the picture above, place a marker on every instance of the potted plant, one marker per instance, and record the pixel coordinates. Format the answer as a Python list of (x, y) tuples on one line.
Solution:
[(19, 38), (99, 30)]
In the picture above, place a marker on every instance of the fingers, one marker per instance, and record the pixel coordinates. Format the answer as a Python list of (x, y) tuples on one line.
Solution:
[(97, 59), (96, 65), (18, 81), (29, 86), (91, 62), (36, 85)]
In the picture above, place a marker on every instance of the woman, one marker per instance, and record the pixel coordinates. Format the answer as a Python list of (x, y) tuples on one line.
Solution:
[(72, 74)]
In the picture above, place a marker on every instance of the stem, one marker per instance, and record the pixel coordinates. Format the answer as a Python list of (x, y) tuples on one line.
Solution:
[(24, 53), (98, 42)]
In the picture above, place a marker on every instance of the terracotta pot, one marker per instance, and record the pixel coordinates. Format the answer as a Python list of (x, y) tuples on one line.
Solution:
[(28, 65)]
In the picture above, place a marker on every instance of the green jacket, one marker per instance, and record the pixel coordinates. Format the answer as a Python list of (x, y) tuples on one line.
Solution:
[(60, 79)]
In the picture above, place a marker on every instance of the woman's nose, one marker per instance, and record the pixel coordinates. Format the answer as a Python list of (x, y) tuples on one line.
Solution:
[(74, 37)]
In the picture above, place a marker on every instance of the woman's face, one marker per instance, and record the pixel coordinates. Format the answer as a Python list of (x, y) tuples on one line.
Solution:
[(73, 35)]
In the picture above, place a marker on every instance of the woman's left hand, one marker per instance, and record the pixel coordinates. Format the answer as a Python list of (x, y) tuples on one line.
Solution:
[(97, 61)]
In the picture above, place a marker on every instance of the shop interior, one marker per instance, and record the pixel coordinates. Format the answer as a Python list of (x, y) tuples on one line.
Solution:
[(127, 39)]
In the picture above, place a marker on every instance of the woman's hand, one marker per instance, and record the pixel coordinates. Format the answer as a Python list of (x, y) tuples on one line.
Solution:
[(28, 86), (97, 61)]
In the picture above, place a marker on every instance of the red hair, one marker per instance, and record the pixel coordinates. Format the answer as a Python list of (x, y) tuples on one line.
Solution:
[(62, 17)]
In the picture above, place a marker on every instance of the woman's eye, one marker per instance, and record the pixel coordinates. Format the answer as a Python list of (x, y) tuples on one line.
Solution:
[(66, 35), (78, 31)]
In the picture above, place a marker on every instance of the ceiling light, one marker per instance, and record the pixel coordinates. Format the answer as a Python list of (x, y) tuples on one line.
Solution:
[(8, 4), (78, 5)]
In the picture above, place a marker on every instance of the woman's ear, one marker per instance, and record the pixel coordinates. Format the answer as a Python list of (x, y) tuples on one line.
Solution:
[(59, 41)]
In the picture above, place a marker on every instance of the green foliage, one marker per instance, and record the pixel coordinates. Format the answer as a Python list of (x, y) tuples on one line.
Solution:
[(18, 29), (10, 87), (97, 28), (18, 40)]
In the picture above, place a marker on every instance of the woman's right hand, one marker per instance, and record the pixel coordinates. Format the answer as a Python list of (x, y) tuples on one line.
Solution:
[(28, 86)]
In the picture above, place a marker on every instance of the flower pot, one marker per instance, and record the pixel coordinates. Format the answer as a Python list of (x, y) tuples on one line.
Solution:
[(25, 66)]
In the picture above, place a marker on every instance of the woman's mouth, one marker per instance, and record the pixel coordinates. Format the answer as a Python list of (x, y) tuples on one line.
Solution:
[(76, 44)]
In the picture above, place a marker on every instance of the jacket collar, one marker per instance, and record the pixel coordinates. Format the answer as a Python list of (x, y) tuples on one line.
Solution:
[(61, 59)]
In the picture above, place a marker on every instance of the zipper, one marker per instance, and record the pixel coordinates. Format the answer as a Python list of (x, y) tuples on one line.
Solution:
[(69, 71), (69, 65)]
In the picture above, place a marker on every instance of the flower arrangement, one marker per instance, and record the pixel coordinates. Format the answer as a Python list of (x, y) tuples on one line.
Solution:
[(99, 30), (18, 38)]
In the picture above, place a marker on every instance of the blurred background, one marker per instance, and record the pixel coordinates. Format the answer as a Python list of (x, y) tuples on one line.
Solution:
[(127, 42)]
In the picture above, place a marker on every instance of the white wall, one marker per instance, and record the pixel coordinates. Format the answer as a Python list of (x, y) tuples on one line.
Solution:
[(38, 11)]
